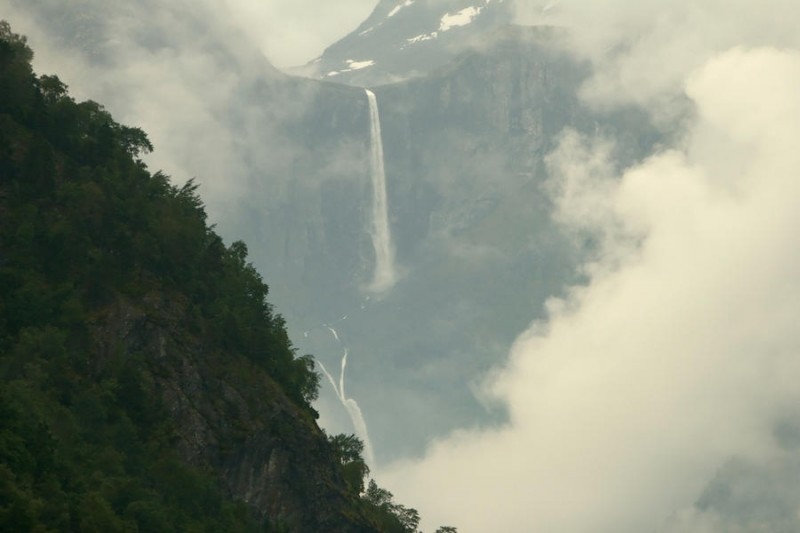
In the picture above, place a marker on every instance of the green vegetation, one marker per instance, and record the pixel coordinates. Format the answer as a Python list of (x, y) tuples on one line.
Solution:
[(83, 224), (392, 516), (378, 503), (86, 441), (85, 446)]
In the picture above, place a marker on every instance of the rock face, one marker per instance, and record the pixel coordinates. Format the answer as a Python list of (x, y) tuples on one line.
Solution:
[(478, 252), (232, 419)]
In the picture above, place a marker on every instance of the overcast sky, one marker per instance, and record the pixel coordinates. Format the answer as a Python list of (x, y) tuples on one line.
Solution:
[(293, 32)]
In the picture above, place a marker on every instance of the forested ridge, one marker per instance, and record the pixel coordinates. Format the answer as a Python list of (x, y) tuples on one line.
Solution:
[(146, 381)]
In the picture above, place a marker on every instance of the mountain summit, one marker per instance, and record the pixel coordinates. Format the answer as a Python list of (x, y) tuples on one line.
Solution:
[(405, 38)]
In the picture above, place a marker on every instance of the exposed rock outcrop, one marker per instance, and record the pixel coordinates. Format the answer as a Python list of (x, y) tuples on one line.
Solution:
[(231, 418)]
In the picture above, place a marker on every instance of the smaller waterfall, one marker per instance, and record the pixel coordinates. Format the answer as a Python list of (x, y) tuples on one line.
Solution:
[(350, 405), (384, 277)]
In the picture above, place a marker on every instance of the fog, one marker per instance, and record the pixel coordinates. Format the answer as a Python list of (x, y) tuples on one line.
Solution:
[(674, 363), (293, 32), (196, 67)]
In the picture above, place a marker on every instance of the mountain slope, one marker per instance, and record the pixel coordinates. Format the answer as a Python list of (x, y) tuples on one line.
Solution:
[(406, 38), (147, 383)]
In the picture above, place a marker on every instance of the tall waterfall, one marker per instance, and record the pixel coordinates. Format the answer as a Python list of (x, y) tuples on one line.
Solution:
[(384, 277)]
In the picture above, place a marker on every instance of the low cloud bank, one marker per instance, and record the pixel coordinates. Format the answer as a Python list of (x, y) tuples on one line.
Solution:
[(679, 355)]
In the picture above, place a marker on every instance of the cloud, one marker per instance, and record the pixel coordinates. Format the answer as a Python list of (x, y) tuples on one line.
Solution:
[(138, 69), (293, 32), (644, 50), (188, 67), (745, 497), (678, 354)]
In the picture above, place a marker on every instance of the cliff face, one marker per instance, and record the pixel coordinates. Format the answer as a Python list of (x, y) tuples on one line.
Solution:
[(479, 254), (230, 417)]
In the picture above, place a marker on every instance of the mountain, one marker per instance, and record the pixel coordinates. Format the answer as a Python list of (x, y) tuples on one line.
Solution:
[(284, 163), (479, 253), (147, 383), (464, 145), (406, 38), (468, 118)]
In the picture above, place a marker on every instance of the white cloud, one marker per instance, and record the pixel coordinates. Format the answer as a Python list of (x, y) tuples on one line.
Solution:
[(186, 68), (643, 50), (677, 355), (292, 32)]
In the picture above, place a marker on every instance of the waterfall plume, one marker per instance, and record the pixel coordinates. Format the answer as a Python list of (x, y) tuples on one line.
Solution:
[(351, 406), (384, 276)]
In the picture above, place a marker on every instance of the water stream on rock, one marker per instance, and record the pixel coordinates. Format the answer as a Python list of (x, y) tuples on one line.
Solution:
[(385, 276), (350, 405)]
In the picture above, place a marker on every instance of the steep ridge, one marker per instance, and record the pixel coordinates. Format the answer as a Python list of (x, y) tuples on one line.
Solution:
[(147, 383)]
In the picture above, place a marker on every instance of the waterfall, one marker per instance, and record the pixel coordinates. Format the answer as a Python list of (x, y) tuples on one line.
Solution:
[(384, 277), (350, 405)]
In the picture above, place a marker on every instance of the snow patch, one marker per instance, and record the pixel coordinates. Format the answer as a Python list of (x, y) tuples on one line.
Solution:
[(423, 37), (351, 66), (358, 65), (459, 18), (397, 8), (450, 21)]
